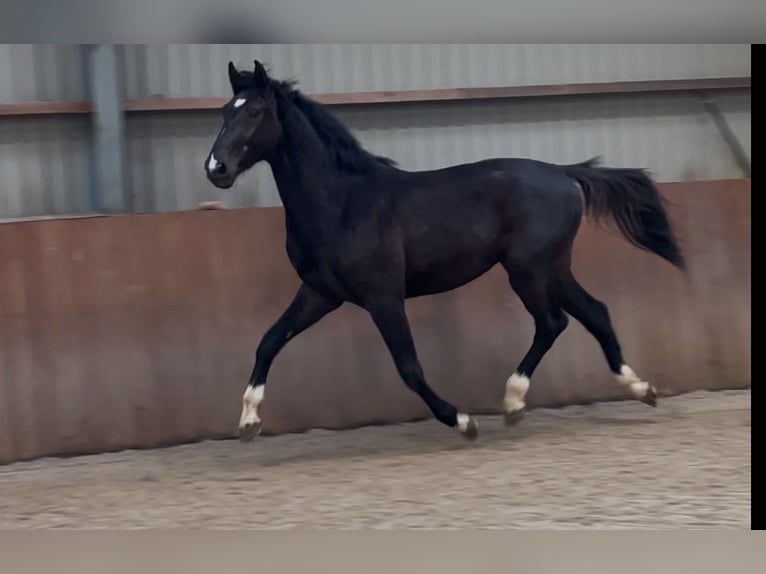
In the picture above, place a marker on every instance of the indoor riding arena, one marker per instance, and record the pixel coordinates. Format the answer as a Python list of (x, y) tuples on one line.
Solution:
[(133, 296)]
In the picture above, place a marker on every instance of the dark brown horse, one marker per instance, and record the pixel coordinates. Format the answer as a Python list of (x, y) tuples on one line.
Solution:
[(363, 231)]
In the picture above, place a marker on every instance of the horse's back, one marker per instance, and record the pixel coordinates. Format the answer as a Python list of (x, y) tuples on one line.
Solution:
[(492, 194), (458, 222)]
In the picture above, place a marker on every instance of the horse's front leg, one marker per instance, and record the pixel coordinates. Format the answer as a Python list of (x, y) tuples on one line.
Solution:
[(308, 307)]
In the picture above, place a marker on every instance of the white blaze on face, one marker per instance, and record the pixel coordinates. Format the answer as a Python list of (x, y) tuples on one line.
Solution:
[(515, 390), (212, 163), (240, 102), (251, 401), (629, 378)]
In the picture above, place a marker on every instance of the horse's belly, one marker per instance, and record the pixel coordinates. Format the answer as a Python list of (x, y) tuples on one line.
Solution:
[(444, 276)]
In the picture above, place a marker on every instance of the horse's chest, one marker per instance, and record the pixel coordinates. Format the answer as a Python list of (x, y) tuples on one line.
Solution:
[(308, 262), (302, 259)]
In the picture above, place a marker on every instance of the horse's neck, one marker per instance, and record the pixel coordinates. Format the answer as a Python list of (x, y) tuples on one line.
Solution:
[(304, 176)]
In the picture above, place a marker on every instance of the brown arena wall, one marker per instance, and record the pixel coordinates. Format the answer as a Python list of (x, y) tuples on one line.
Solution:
[(139, 331)]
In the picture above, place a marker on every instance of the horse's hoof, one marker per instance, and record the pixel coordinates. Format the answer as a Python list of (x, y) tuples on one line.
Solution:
[(471, 429), (650, 398), (515, 417), (249, 431)]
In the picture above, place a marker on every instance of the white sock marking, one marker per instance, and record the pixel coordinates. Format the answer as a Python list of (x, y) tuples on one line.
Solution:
[(240, 102), (515, 390), (629, 378), (251, 401), (212, 164)]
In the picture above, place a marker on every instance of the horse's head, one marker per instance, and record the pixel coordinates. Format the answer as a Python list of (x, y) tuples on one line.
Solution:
[(251, 129)]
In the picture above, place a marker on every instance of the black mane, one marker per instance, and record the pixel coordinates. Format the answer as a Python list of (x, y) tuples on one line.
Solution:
[(344, 149)]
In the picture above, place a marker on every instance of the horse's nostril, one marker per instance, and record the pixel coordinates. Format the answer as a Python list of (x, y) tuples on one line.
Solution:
[(220, 169)]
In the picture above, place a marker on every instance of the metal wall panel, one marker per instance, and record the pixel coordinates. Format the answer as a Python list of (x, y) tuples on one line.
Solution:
[(43, 160), (200, 69), (671, 135), (44, 166), (40, 72)]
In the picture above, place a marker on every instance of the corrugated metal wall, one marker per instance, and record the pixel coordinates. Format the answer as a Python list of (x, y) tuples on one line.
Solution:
[(673, 136), (44, 167), (55, 72), (40, 72), (200, 70), (43, 159)]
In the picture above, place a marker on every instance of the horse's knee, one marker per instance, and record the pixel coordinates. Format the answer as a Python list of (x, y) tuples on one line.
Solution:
[(560, 323), (600, 312), (547, 329), (269, 347)]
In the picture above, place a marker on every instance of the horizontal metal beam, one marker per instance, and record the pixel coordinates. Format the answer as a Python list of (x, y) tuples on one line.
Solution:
[(163, 104), (46, 108)]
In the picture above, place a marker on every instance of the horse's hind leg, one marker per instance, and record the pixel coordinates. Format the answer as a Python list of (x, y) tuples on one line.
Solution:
[(537, 292), (594, 316), (390, 318)]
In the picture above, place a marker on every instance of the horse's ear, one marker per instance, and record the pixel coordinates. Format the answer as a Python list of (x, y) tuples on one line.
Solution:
[(260, 75), (233, 73), (235, 79)]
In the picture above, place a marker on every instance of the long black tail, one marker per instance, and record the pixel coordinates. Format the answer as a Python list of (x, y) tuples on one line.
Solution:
[(634, 203)]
